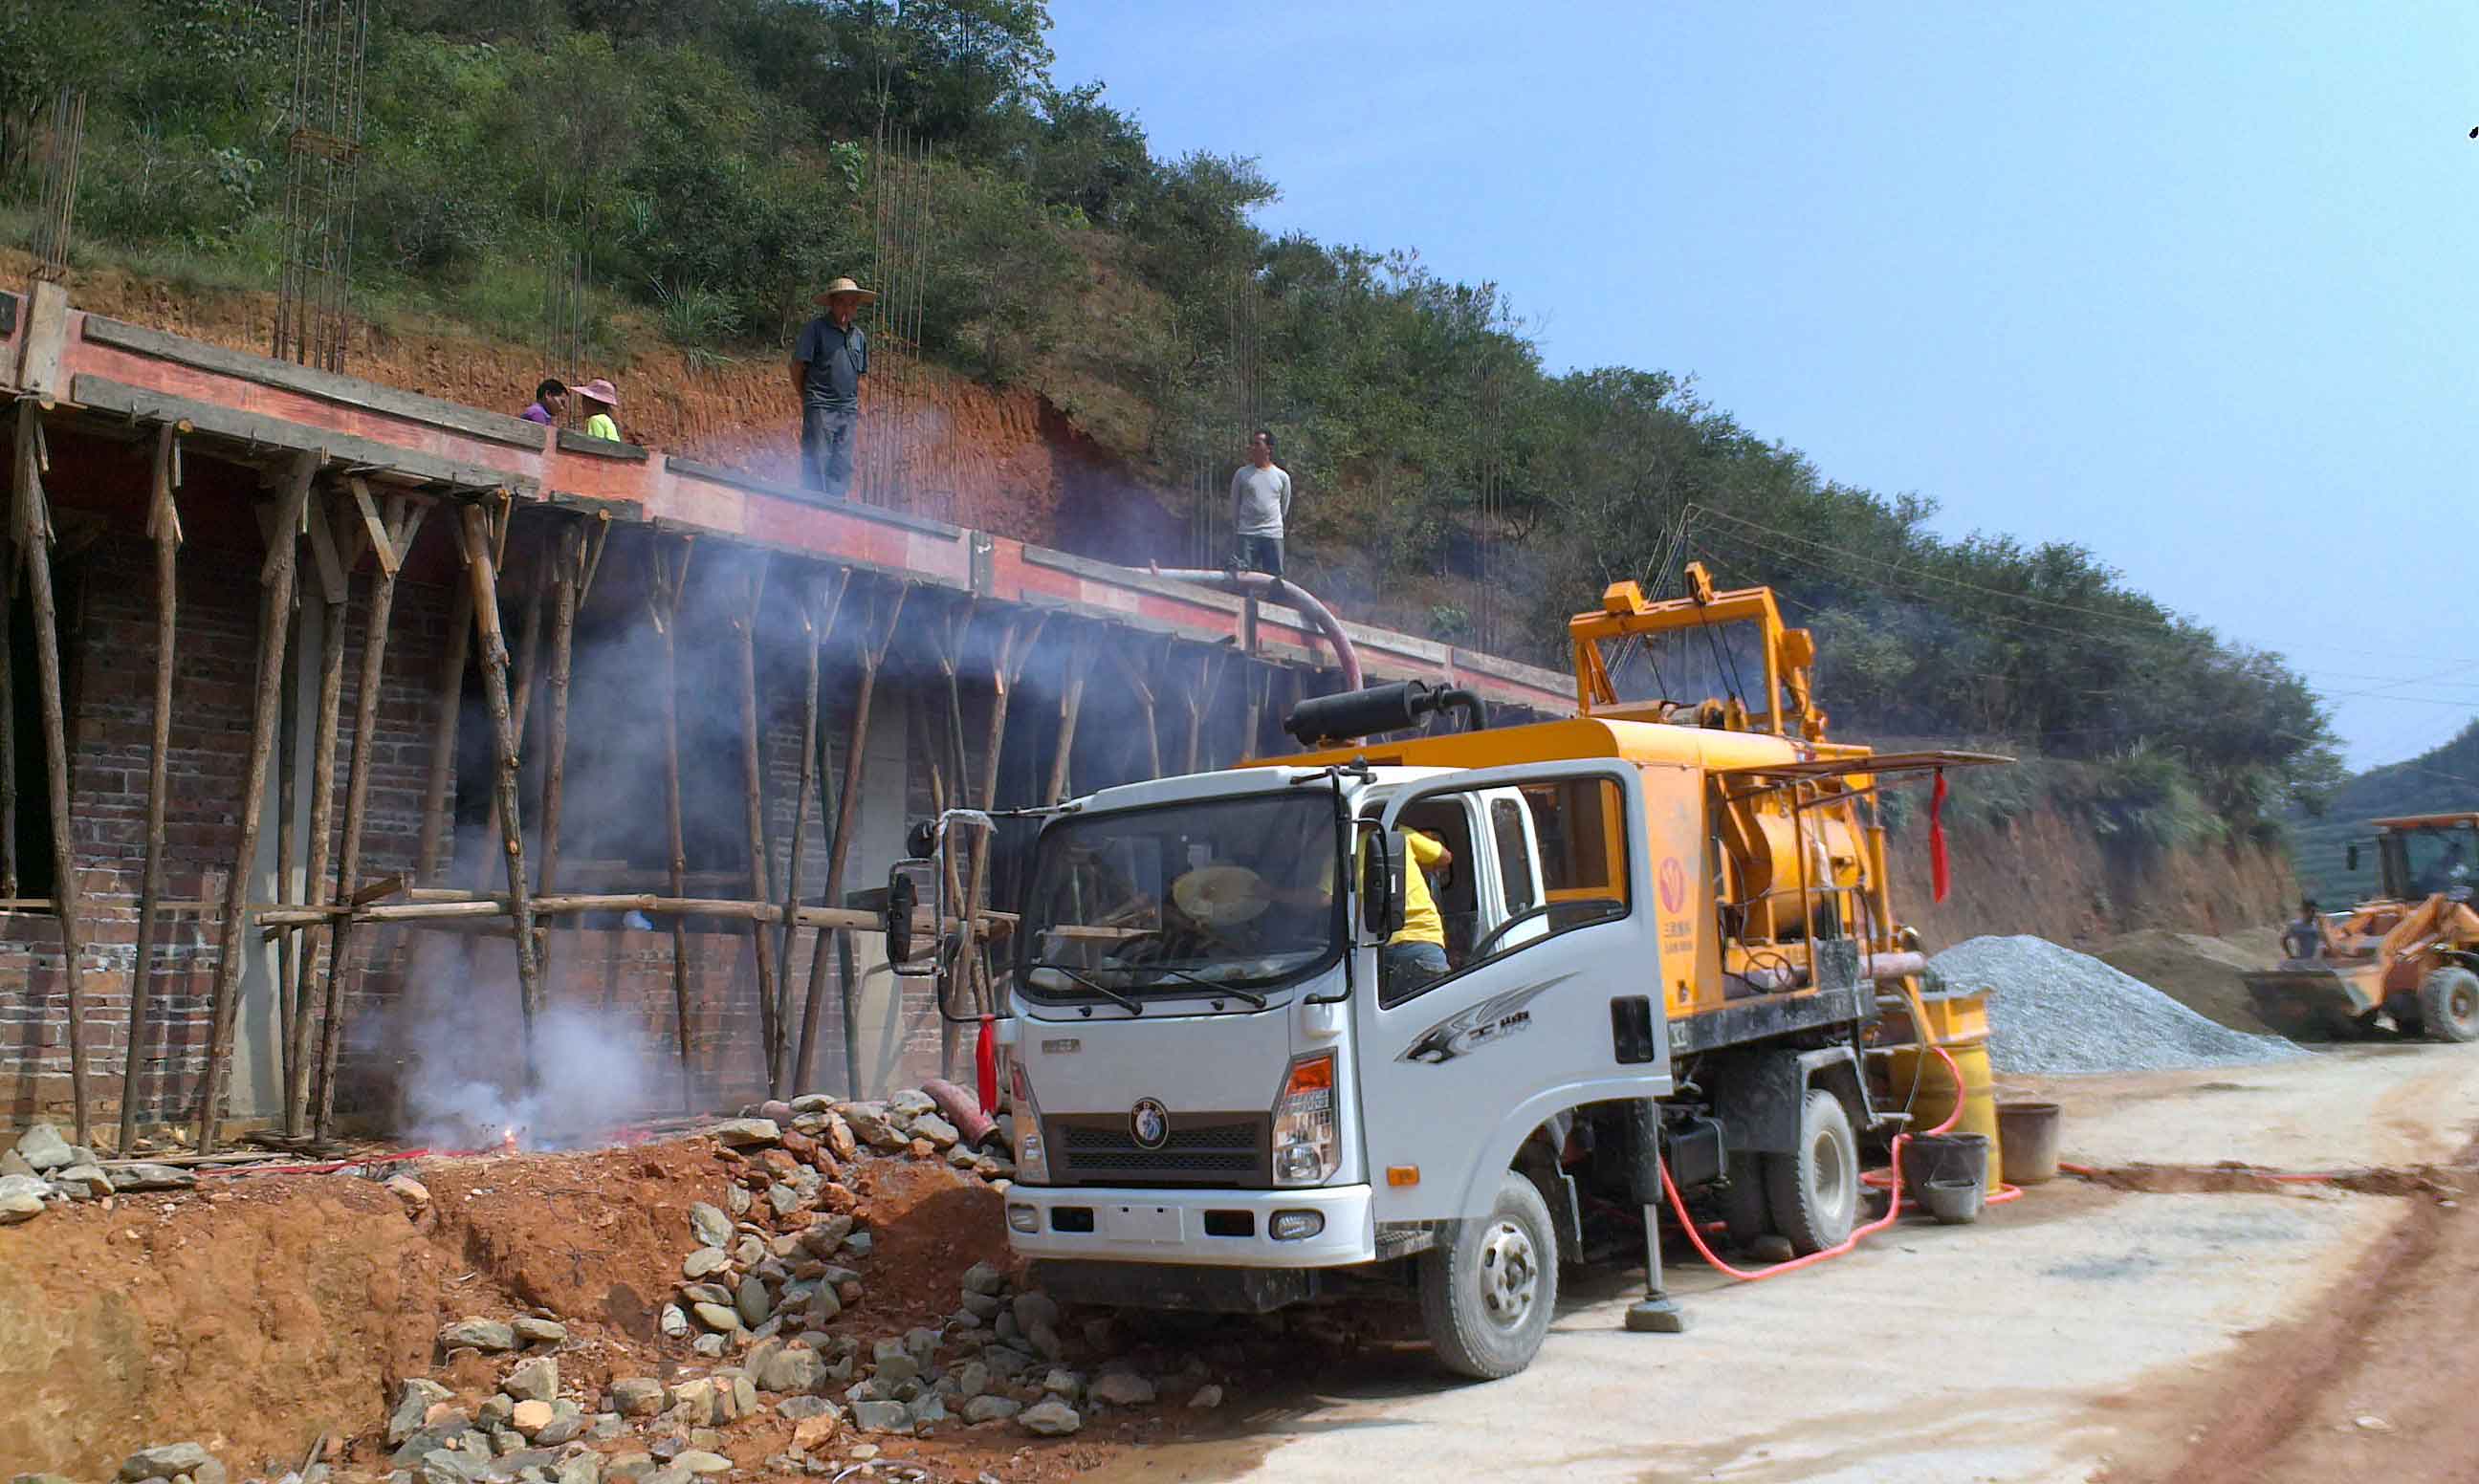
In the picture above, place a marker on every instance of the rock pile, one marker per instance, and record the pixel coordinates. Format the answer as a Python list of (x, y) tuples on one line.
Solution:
[(2053, 1010), (44, 1168)]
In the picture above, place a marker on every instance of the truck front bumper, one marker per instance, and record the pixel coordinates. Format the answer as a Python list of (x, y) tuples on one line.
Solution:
[(1207, 1228)]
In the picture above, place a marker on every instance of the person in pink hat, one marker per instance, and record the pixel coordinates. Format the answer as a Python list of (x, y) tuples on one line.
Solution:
[(602, 397)]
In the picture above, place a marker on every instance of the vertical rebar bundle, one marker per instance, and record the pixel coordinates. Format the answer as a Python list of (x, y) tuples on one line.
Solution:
[(64, 141), (564, 325), (903, 460), (323, 170)]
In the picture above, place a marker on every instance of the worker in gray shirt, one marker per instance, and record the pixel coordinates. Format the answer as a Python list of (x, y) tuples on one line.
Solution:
[(1261, 502), (826, 368)]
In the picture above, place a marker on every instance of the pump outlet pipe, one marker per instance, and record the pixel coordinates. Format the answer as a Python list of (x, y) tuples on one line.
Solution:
[(1266, 587)]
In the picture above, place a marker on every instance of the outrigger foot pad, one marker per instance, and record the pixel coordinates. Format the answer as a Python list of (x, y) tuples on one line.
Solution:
[(1655, 1316)]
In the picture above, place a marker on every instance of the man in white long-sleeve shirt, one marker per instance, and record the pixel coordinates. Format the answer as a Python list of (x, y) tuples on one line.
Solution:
[(1261, 502)]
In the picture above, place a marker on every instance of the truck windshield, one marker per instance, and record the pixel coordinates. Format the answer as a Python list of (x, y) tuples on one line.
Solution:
[(1235, 893)]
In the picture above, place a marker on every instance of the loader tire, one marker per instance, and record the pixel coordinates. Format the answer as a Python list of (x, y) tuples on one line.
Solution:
[(1814, 1189), (1488, 1289), (2448, 1005)]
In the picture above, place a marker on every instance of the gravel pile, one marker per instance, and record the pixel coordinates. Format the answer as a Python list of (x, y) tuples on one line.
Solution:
[(2053, 1010)]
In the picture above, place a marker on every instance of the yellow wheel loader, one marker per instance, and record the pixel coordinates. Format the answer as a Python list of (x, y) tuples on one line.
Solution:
[(2410, 955)]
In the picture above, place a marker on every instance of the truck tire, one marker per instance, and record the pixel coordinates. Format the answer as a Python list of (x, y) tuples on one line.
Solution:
[(1814, 1190), (2448, 1005), (1488, 1289)]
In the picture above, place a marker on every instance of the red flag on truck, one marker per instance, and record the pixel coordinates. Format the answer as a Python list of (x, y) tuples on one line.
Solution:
[(1937, 871)]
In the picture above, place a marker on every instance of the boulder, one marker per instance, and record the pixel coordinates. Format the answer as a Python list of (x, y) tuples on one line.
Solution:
[(794, 1369), (747, 1133), (1031, 1308), (911, 1103), (710, 1226), (882, 1417), (533, 1329), (983, 1279), (530, 1416), (800, 1409), (151, 1177), (43, 1148), (894, 1363), (487, 1336), (812, 1103), (165, 1460), (534, 1380), (1123, 1389), (876, 1126), (705, 1294), (637, 1396), (581, 1469), (1051, 1417), (929, 1410), (703, 1261), (990, 1409), (413, 1192), (22, 1198), (698, 1461), (752, 1301), (719, 1317), (673, 1320), (825, 1235), (937, 1132), (963, 1159), (81, 1182), (859, 1244), (972, 1378), (783, 1198), (413, 1400), (1207, 1397), (1063, 1382), (837, 1137)]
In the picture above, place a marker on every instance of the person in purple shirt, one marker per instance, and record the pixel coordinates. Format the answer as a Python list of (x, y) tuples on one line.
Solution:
[(550, 400)]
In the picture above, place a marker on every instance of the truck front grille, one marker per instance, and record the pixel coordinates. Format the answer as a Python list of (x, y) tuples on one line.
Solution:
[(1204, 1149)]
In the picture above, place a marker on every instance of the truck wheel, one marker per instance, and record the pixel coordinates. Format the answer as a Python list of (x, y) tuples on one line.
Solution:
[(2448, 1005), (1486, 1294), (1814, 1190)]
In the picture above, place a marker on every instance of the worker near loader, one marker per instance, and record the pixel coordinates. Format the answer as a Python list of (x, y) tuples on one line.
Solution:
[(828, 366), (1261, 502), (2304, 938)]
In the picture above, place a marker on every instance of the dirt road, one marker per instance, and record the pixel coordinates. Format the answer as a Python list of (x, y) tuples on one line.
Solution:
[(2079, 1334)]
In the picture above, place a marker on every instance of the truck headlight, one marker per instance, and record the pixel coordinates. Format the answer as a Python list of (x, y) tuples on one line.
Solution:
[(1306, 1151), (1031, 1158)]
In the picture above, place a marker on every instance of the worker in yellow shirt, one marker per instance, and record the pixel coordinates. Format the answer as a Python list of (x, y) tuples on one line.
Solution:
[(1417, 954)]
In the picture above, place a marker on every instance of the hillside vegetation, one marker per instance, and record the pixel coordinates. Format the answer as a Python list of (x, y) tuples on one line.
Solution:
[(713, 159)]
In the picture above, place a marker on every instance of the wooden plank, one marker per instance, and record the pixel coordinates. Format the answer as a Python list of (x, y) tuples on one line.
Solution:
[(372, 526), (102, 394), (326, 386)]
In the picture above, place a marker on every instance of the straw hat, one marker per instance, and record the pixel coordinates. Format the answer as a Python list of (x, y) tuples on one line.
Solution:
[(847, 286), (1222, 896), (601, 390)]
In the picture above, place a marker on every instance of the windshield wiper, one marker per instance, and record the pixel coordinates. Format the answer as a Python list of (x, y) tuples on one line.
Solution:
[(1132, 1007), (1249, 995)]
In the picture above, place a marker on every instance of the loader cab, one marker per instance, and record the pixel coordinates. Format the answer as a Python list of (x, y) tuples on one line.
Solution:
[(2419, 857)]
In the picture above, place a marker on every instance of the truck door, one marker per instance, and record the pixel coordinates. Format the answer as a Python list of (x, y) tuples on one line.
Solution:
[(1537, 1015)]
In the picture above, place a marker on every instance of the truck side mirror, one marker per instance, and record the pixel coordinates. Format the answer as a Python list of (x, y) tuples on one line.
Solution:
[(907, 952), (2353, 856)]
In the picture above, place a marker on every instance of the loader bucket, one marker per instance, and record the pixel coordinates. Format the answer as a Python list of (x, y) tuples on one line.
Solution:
[(2309, 999)]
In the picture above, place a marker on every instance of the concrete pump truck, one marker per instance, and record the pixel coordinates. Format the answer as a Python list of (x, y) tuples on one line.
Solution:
[(1666, 920)]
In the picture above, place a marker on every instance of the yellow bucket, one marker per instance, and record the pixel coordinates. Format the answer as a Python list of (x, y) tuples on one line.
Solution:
[(1960, 1023)]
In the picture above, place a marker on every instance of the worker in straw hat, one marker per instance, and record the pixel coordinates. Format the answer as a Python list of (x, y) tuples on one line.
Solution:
[(600, 399), (826, 368)]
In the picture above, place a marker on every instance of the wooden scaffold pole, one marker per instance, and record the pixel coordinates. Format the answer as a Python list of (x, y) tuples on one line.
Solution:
[(1071, 701), (335, 550), (663, 603), (163, 525), (33, 527), (886, 614), (752, 764), (435, 800), (481, 573), (275, 578), (820, 605), (1014, 643), (390, 539)]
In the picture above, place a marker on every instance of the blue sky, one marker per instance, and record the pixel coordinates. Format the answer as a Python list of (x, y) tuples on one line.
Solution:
[(2190, 284)]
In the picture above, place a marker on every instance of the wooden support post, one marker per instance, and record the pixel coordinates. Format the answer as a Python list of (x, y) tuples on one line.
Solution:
[(819, 608), (568, 591), (33, 528), (164, 524), (334, 557), (663, 600), (1200, 702), (529, 661), (1007, 656), (8, 720), (274, 624), (887, 614), (503, 729), (1258, 679), (753, 763), (288, 839), (390, 539), (1071, 701), (1140, 684), (435, 800)]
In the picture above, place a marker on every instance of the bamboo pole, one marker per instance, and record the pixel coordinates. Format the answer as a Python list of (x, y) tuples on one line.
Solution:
[(287, 837), (753, 763), (663, 599), (164, 524), (1015, 644), (527, 663), (1200, 701), (390, 542), (335, 581), (503, 727), (825, 600), (8, 721), (32, 526), (568, 581), (1141, 686), (871, 653), (1071, 701), (275, 620)]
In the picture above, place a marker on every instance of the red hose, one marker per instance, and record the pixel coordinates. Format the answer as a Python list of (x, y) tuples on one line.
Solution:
[(1893, 1208)]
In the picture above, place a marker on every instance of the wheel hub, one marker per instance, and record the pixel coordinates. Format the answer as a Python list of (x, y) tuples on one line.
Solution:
[(1510, 1274)]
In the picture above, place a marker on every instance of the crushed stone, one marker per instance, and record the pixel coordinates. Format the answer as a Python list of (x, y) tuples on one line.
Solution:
[(2053, 1010)]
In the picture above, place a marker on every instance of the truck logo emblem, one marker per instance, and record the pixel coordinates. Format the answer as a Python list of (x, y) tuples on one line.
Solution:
[(1673, 885), (1469, 1030), (1149, 1123)]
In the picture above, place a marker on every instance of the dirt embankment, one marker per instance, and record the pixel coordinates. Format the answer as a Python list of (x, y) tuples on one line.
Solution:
[(2046, 874), (254, 1315)]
